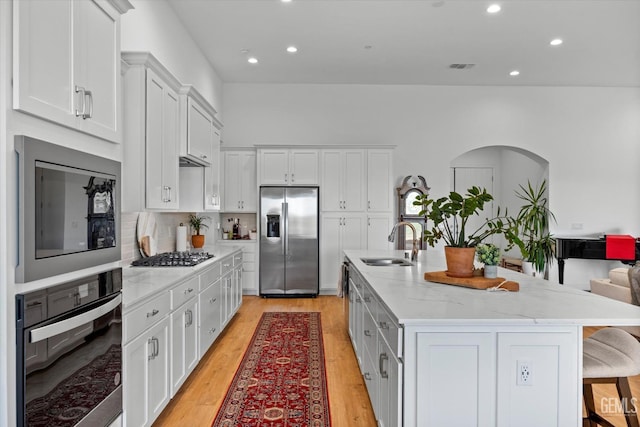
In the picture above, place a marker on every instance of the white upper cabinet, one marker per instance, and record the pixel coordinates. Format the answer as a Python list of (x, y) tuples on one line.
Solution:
[(240, 193), (67, 63), (285, 166), (150, 152), (343, 179), (380, 192), (197, 127)]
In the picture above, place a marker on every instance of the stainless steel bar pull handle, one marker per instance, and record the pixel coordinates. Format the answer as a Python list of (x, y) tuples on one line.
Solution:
[(292, 180), (383, 358), (90, 114), (82, 92)]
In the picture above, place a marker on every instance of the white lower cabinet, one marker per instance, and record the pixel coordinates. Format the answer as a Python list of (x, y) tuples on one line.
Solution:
[(339, 231), (146, 375), (166, 336), (210, 315), (375, 337), (185, 352)]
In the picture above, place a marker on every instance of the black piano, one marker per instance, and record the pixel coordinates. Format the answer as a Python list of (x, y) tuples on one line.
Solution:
[(585, 248)]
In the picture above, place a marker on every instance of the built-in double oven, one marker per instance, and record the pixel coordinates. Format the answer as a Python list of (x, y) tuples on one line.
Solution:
[(69, 353)]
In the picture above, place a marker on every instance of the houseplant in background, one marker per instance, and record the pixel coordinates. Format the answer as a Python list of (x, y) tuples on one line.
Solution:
[(538, 246), (489, 255), (197, 222), (450, 216)]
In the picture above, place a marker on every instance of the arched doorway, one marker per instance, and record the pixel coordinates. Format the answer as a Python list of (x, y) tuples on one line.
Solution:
[(500, 169)]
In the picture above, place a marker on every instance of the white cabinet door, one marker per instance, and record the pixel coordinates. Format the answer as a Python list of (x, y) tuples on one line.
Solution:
[(288, 166), (212, 198), (380, 191), (331, 184), (248, 188), (199, 133), (339, 232), (184, 348), (209, 325), (67, 66), (455, 381), (303, 167), (354, 181), (274, 167), (390, 386), (147, 375), (162, 144), (43, 82), (378, 228), (240, 181), (97, 67)]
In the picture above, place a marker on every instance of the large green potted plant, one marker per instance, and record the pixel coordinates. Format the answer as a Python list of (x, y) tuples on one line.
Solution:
[(449, 218), (538, 245)]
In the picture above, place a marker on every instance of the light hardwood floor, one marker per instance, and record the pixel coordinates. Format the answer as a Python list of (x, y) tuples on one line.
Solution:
[(197, 402)]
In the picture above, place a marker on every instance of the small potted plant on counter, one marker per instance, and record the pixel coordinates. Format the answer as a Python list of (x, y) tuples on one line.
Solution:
[(197, 222), (489, 255), (450, 216)]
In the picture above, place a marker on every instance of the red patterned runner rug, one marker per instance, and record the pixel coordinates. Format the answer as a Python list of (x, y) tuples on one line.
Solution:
[(281, 381)]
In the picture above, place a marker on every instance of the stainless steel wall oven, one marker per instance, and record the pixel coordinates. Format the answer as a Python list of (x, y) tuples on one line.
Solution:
[(69, 353)]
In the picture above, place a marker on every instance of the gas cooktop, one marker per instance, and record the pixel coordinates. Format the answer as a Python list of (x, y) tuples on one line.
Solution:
[(173, 259)]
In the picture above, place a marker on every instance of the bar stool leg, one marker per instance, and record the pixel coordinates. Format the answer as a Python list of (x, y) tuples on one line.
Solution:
[(626, 398), (587, 392)]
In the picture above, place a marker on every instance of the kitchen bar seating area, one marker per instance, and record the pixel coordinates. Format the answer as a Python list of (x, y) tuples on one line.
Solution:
[(228, 213)]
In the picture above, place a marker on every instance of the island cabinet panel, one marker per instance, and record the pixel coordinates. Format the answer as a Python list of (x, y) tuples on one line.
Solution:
[(553, 380), (454, 379)]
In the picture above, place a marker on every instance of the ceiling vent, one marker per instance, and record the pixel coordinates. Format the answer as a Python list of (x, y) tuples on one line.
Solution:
[(461, 66)]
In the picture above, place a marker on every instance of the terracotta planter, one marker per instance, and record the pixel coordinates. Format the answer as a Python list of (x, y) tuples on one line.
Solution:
[(197, 240), (459, 261)]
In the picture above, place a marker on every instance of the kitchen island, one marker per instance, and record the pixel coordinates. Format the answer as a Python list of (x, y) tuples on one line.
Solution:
[(435, 354)]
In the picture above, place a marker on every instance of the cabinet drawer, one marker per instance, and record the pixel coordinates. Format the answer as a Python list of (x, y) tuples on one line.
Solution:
[(369, 332), (210, 276), (226, 265), (184, 292), (237, 259), (390, 331), (145, 316)]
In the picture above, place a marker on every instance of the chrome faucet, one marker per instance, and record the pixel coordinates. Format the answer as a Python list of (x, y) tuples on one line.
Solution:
[(414, 250)]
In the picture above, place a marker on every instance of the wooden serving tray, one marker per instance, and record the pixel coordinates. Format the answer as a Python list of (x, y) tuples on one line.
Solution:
[(476, 282)]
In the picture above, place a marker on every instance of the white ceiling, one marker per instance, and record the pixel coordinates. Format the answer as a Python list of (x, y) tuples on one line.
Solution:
[(415, 41)]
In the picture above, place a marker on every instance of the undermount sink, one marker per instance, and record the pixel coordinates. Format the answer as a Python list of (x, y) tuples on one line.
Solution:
[(386, 262)]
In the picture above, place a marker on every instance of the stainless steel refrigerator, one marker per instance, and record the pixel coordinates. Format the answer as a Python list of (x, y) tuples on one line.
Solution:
[(289, 241)]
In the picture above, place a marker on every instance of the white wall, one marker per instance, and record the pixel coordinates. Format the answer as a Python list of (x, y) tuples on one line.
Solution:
[(154, 27), (590, 136)]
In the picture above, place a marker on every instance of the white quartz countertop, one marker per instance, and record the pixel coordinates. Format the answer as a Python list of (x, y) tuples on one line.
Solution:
[(415, 301), (141, 283)]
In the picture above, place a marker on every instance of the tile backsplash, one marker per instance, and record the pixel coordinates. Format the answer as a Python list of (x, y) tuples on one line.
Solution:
[(167, 223)]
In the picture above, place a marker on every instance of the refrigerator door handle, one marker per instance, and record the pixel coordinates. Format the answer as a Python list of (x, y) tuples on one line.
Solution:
[(283, 228), (285, 240)]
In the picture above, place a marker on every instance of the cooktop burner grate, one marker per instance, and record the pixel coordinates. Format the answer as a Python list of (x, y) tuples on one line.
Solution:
[(173, 259)]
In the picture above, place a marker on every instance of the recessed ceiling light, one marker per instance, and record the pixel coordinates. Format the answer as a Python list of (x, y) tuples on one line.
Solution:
[(285, 1), (252, 60), (514, 73), (292, 49), (555, 42), (494, 8)]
